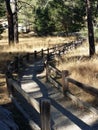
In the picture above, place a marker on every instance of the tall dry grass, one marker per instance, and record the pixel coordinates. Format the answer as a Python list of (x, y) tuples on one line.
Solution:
[(29, 43), (84, 69), (81, 67)]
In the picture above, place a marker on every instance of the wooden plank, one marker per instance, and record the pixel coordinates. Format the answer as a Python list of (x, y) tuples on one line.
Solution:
[(93, 91), (65, 81), (81, 103), (55, 83), (32, 101), (32, 124), (45, 114), (55, 69)]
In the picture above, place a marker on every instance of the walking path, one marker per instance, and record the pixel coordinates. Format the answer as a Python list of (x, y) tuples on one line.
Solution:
[(64, 113)]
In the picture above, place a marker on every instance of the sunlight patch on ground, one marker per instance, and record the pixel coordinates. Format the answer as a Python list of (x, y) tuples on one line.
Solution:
[(31, 86)]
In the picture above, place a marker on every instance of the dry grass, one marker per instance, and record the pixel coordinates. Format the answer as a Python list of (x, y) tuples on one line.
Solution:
[(26, 44), (76, 61), (86, 72), (82, 69), (29, 44)]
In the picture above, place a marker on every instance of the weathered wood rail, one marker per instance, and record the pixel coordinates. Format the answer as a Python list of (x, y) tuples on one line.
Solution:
[(58, 49), (14, 87), (61, 80), (19, 61), (41, 108)]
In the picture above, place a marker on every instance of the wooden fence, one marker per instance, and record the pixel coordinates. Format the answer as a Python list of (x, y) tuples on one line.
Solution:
[(61, 80), (50, 52), (14, 87)]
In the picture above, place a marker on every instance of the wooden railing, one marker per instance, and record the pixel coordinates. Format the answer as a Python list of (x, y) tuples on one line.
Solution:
[(15, 90), (43, 108), (61, 80), (57, 78), (46, 55), (14, 87)]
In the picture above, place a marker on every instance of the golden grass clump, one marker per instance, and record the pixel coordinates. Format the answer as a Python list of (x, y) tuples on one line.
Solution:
[(30, 44), (84, 69), (85, 72), (81, 67)]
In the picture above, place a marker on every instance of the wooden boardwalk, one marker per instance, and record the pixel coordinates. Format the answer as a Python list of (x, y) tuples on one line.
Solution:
[(65, 115)]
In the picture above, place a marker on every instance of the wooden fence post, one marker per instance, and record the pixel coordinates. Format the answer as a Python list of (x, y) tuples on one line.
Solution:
[(28, 57), (35, 55), (64, 81), (47, 51), (17, 63), (8, 76), (45, 114), (59, 52), (48, 58), (42, 54), (47, 71)]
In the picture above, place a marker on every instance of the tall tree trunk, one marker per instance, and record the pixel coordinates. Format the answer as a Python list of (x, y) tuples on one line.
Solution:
[(90, 29), (15, 19), (10, 23)]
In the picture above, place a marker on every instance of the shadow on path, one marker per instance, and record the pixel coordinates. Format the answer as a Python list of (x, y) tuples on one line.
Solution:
[(34, 70)]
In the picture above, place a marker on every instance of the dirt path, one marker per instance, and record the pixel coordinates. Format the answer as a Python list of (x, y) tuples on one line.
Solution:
[(64, 113)]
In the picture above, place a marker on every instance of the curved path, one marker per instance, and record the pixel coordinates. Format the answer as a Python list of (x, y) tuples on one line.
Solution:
[(65, 115)]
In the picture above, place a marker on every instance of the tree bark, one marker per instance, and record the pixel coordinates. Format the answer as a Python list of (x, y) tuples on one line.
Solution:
[(10, 23), (15, 19), (90, 29)]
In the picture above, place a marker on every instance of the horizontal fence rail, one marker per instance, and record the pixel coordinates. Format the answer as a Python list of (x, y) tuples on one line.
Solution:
[(46, 55), (52, 73), (64, 85), (87, 88), (39, 107)]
